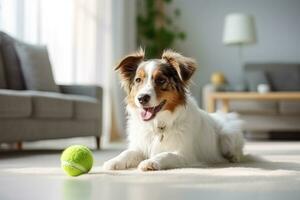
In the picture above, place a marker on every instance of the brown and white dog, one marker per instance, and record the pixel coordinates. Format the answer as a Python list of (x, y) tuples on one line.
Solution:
[(166, 129)]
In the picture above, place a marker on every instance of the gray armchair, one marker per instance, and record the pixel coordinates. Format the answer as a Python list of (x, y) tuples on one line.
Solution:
[(28, 114)]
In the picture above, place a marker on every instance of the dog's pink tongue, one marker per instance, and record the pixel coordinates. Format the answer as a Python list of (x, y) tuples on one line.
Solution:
[(146, 114)]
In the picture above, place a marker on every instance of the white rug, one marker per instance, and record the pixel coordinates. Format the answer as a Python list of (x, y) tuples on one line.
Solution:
[(273, 174)]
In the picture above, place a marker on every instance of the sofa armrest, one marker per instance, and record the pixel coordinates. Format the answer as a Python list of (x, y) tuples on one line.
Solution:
[(86, 90), (207, 89)]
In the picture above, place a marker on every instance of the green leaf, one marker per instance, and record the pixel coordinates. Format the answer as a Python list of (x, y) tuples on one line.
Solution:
[(177, 12), (182, 35), (169, 21), (168, 1)]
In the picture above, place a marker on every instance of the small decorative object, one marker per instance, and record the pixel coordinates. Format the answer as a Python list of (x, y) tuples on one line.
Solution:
[(76, 160), (219, 81), (263, 88), (239, 30)]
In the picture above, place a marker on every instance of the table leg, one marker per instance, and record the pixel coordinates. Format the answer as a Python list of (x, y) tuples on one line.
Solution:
[(98, 142), (211, 104), (19, 145), (225, 105)]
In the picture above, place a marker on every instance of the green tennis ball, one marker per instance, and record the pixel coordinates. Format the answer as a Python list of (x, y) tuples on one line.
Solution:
[(76, 160)]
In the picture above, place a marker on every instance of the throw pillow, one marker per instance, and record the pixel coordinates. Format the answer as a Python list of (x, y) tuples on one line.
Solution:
[(36, 67), (2, 74), (13, 73)]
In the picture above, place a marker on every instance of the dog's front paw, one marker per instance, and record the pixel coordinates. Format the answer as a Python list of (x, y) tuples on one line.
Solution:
[(114, 164), (149, 165)]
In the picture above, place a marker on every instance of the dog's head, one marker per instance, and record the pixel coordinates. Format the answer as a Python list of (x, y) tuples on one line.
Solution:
[(158, 84)]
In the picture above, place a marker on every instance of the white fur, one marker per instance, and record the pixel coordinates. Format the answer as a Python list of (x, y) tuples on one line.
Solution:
[(148, 88), (187, 137)]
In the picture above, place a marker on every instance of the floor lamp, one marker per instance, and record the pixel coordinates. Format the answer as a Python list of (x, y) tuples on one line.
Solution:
[(239, 30)]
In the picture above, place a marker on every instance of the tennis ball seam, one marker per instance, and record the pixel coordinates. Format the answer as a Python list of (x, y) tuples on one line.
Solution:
[(75, 166)]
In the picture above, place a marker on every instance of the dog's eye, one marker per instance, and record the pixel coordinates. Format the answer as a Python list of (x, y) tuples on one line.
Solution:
[(138, 80), (160, 81)]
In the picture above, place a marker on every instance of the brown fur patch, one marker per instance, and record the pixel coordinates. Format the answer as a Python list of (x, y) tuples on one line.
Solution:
[(130, 97), (127, 68), (171, 89), (184, 66), (141, 74)]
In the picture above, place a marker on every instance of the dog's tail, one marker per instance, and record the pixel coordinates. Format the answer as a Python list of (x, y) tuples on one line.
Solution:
[(230, 130), (228, 122)]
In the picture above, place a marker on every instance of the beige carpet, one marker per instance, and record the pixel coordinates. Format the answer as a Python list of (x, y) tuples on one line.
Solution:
[(273, 173)]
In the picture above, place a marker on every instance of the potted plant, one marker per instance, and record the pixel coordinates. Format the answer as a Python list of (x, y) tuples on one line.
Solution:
[(156, 30)]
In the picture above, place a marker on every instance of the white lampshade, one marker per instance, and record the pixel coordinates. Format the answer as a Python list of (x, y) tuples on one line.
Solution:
[(239, 29)]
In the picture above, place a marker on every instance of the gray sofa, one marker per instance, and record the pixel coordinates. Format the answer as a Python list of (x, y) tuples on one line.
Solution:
[(268, 116), (29, 111)]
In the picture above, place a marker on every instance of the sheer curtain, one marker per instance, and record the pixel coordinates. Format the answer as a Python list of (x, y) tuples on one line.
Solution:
[(85, 38)]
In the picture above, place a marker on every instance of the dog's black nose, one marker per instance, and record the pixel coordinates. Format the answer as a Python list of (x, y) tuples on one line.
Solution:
[(144, 99)]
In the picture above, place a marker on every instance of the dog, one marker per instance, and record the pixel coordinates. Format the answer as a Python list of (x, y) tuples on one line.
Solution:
[(166, 129)]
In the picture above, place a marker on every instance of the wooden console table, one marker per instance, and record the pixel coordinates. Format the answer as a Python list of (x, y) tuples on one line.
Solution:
[(225, 97)]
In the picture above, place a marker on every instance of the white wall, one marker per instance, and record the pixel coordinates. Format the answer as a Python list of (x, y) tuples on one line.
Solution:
[(278, 32)]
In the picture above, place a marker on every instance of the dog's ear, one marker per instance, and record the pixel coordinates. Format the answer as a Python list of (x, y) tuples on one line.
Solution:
[(184, 66), (128, 66)]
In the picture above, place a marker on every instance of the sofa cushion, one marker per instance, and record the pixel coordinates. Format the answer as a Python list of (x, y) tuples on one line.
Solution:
[(51, 105), (36, 67), (289, 107), (13, 73), (281, 76), (285, 80), (14, 104), (253, 107), (2, 74), (86, 107)]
